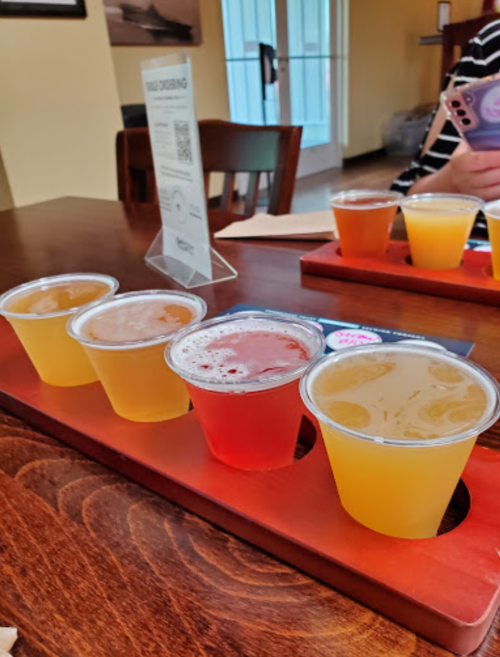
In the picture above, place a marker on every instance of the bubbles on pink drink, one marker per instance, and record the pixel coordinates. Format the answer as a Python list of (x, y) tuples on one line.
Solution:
[(242, 351)]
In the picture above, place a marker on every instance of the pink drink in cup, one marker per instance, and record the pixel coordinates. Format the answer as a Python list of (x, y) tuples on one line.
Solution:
[(242, 372)]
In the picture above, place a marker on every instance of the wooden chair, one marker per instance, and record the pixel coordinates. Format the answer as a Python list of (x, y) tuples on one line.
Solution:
[(234, 148), (134, 164), (226, 147), (458, 35)]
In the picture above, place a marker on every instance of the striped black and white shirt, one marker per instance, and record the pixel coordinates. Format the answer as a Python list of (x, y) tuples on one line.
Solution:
[(480, 59)]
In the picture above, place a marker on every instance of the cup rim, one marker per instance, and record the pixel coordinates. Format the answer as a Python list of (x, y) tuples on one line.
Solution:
[(491, 386), (485, 207), (430, 196), (96, 308), (57, 279), (253, 385), (335, 199)]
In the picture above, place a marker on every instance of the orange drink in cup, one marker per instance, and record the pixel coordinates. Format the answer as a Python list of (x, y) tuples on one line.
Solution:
[(438, 227), (399, 423), (242, 372), (125, 339), (364, 221), (39, 311), (492, 212)]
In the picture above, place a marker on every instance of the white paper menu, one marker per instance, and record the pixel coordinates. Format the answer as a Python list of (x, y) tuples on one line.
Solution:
[(173, 129)]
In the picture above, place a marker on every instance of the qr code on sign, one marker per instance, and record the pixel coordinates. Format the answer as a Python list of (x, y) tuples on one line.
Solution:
[(182, 141)]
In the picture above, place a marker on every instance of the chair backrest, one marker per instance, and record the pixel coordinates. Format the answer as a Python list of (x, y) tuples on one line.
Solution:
[(459, 34), (134, 165), (233, 148), (229, 148)]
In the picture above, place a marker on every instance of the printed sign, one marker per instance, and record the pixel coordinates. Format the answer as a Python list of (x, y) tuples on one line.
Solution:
[(173, 129), (342, 335)]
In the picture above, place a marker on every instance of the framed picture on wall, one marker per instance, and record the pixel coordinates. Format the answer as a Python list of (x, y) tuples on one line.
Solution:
[(48, 8), (153, 22)]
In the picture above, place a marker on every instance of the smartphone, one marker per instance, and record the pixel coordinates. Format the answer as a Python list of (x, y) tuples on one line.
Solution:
[(474, 110)]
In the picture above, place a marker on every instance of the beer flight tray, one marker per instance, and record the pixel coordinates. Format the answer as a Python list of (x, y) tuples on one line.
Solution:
[(472, 281), (446, 589)]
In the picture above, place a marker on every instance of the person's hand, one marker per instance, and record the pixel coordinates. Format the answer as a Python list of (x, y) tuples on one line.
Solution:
[(475, 172)]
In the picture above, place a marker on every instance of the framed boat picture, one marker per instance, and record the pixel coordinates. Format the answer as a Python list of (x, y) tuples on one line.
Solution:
[(41, 8), (153, 22)]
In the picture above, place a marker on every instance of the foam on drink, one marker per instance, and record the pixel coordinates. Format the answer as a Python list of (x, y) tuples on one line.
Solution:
[(53, 298), (365, 202), (136, 317), (448, 208), (245, 350), (400, 396), (138, 320)]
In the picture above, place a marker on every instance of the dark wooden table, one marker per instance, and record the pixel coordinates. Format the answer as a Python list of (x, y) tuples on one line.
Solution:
[(94, 565)]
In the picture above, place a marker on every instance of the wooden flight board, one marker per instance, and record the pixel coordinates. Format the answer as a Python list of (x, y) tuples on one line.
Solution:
[(445, 588), (472, 281)]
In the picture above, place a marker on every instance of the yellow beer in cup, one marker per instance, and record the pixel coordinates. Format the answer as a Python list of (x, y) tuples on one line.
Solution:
[(438, 227), (399, 423), (125, 339), (39, 311), (492, 212)]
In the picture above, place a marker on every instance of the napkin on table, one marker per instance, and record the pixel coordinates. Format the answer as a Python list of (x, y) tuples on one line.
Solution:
[(8, 636), (308, 226)]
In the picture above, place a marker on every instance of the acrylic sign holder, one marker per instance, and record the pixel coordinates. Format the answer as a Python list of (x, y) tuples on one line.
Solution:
[(472, 281), (182, 273), (179, 177), (444, 588)]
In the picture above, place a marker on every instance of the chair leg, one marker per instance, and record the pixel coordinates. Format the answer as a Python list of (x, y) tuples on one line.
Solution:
[(227, 192)]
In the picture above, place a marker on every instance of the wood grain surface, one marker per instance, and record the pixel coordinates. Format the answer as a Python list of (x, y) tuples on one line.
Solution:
[(92, 564)]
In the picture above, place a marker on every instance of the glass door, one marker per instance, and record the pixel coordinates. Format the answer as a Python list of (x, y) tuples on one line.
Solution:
[(304, 35)]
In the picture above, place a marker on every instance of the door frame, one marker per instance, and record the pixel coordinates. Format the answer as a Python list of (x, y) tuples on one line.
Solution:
[(315, 159)]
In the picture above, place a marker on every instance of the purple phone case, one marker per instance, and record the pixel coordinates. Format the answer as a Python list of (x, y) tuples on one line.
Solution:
[(474, 110)]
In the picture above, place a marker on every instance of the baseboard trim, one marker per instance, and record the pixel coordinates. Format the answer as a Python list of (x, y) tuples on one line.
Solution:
[(364, 157)]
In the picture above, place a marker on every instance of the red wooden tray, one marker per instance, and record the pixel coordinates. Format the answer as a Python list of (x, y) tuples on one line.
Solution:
[(444, 588), (472, 281)]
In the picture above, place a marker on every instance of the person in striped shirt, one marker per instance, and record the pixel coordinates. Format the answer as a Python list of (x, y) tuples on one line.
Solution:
[(445, 162)]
